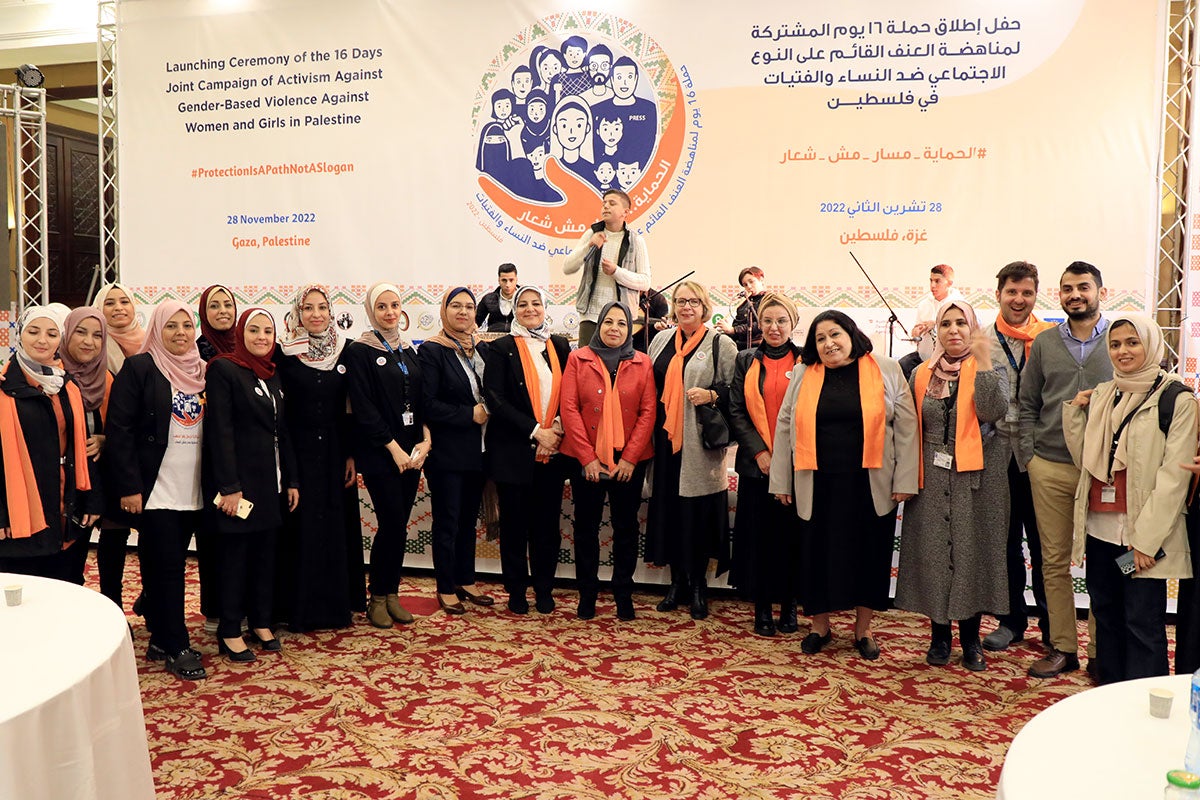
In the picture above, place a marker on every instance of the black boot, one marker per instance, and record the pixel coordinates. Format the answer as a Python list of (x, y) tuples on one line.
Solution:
[(764, 623), (787, 617), (699, 602), (675, 594)]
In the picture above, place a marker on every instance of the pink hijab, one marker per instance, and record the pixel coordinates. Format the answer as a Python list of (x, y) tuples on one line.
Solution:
[(185, 372)]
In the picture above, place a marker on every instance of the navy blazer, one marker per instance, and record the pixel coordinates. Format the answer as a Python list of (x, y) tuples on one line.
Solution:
[(449, 409)]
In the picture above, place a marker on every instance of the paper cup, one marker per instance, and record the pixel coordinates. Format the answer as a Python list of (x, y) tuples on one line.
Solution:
[(12, 595), (1160, 702)]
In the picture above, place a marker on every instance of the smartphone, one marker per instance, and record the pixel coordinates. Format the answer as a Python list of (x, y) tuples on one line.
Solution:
[(244, 506), (1128, 567)]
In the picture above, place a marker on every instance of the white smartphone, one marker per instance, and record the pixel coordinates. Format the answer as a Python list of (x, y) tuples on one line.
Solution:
[(244, 506)]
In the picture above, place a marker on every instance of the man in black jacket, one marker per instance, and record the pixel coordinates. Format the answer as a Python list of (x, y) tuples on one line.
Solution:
[(495, 311)]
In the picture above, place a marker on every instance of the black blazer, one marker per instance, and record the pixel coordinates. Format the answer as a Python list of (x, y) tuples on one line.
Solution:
[(137, 430), (240, 430), (510, 450), (449, 409), (380, 393), (39, 426)]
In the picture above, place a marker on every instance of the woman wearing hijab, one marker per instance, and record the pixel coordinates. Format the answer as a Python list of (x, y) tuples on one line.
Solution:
[(314, 588), (125, 338), (251, 469), (218, 314), (392, 442), (1131, 496), (766, 557), (523, 383), (452, 391), (153, 456), (845, 453), (688, 520), (952, 563), (83, 358), (608, 419), (43, 446)]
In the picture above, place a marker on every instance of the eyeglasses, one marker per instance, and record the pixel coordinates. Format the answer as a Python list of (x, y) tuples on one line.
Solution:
[(695, 302)]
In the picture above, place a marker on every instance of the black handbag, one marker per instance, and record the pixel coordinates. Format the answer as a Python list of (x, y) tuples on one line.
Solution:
[(714, 428)]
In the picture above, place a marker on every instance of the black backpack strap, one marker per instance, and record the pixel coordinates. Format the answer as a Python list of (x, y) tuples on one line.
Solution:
[(1166, 403)]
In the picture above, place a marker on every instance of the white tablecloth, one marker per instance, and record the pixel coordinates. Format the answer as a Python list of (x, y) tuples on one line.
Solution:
[(71, 724), (1101, 743)]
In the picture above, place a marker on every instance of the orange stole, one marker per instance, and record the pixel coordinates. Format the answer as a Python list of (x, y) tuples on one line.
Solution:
[(1026, 333), (610, 435), (25, 514), (968, 440), (756, 405), (672, 394), (534, 386), (874, 414)]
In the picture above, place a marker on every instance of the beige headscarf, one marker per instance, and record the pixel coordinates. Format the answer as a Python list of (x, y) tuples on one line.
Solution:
[(1105, 416), (390, 335), (128, 340)]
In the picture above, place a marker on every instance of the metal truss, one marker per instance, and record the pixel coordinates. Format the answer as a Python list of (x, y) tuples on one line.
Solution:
[(106, 103), (27, 109), (1174, 246)]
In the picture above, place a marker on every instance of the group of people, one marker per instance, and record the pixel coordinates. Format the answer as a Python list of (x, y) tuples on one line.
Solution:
[(252, 438)]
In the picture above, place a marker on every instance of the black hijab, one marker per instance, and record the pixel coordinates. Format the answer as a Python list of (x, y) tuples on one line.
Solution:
[(613, 356)]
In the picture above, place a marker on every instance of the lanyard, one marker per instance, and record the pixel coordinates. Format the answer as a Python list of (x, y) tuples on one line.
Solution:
[(399, 360), (1112, 450), (1011, 360)]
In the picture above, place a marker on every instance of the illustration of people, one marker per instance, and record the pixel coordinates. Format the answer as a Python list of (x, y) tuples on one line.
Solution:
[(638, 114), (608, 135), (575, 80), (502, 107), (571, 143), (627, 175), (522, 85), (549, 67), (599, 67), (605, 175), (537, 189), (536, 130)]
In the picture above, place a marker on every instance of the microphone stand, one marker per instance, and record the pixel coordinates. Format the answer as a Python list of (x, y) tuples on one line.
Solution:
[(651, 293), (893, 320)]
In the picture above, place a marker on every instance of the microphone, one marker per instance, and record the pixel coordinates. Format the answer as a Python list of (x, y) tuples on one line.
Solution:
[(740, 294)]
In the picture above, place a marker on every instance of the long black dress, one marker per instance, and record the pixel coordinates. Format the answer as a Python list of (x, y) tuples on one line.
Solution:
[(315, 588)]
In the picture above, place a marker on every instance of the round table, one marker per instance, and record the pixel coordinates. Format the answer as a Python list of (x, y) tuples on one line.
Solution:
[(71, 722), (1101, 743)]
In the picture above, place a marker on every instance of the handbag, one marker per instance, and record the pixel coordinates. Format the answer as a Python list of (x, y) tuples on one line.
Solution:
[(714, 428)]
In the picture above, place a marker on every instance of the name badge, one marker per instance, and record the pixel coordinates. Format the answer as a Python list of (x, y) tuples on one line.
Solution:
[(943, 460), (1108, 494), (407, 418)]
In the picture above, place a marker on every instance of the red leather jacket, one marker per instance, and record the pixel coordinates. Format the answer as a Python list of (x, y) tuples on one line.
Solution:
[(582, 390)]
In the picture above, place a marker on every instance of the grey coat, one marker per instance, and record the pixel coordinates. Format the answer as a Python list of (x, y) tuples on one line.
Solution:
[(953, 535), (703, 471)]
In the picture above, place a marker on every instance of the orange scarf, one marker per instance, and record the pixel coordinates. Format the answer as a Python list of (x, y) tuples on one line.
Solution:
[(1026, 333), (610, 435), (874, 414), (534, 386), (25, 514), (968, 440), (672, 395), (756, 404)]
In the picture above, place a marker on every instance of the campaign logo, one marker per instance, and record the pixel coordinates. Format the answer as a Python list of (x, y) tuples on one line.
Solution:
[(577, 103), (187, 409)]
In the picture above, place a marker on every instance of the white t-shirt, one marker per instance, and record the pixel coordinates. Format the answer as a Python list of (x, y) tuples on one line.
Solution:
[(177, 486)]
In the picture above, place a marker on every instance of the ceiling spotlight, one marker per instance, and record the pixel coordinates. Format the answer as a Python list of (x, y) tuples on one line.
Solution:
[(30, 76)]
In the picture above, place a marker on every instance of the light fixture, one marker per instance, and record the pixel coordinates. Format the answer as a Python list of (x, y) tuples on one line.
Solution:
[(30, 76)]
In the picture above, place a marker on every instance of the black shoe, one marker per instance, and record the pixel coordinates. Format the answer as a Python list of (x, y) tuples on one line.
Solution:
[(973, 657), (137, 604), (156, 653), (587, 607), (813, 643), (517, 604), (938, 654), (186, 664), (787, 618), (867, 648), (699, 608), (625, 611), (544, 603), (271, 645), (764, 623), (671, 600), (474, 599), (244, 657)]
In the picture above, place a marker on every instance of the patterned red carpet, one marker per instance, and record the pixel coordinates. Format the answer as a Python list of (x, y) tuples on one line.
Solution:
[(490, 705)]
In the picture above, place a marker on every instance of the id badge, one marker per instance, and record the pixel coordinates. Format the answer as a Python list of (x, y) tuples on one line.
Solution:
[(1108, 494), (407, 418), (943, 460), (1012, 415)]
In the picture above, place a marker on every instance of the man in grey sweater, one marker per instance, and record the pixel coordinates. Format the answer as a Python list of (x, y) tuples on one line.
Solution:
[(1063, 361)]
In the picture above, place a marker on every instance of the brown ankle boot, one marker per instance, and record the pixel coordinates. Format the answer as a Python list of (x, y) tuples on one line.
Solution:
[(397, 611), (377, 612)]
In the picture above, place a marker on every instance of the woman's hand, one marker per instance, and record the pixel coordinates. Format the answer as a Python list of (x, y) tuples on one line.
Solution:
[(786, 499), (400, 458), (1141, 560), (90, 519), (95, 444), (479, 414), (132, 503), (351, 475), (724, 327), (419, 453), (763, 460), (547, 439), (293, 498), (591, 471), (624, 471), (900, 497), (1193, 467), (1083, 398), (981, 347), (228, 504), (700, 397)]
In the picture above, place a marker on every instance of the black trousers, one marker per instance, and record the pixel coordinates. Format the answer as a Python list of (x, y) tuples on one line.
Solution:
[(624, 500), (529, 524), (968, 631), (50, 566), (1021, 520), (163, 537), (393, 494), (1131, 617), (74, 558), (247, 580), (455, 498), (110, 562)]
